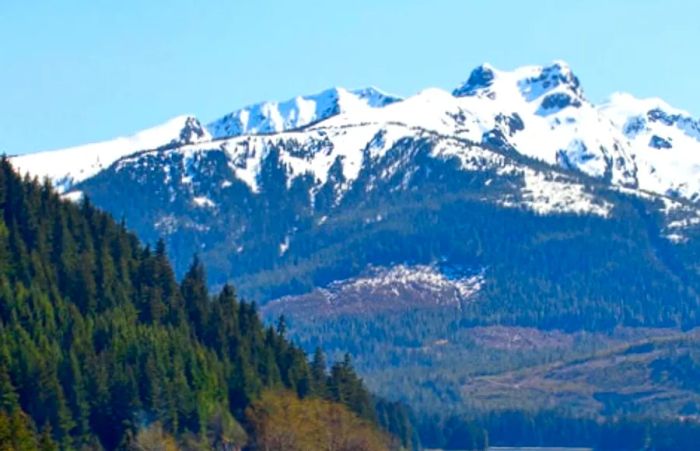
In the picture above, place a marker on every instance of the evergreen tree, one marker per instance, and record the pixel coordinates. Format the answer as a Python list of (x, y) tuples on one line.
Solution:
[(318, 374), (194, 291)]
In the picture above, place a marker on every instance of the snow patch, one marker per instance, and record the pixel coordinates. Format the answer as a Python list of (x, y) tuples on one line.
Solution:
[(423, 277), (74, 196), (284, 246), (546, 194), (203, 201)]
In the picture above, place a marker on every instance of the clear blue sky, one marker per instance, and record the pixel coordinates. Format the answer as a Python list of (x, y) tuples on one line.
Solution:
[(80, 71)]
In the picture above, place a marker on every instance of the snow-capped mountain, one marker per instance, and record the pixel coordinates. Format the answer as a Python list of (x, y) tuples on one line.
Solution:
[(539, 112), (331, 156), (271, 117), (67, 167), (274, 183), (511, 200), (665, 141), (542, 112)]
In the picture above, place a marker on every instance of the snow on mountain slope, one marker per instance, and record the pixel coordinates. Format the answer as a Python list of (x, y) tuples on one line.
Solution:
[(665, 140), (312, 152), (432, 109), (333, 156), (67, 167), (345, 137), (381, 290), (538, 111), (543, 113), (271, 117)]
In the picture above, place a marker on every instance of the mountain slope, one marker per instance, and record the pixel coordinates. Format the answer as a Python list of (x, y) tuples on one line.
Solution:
[(67, 167), (659, 374), (665, 141), (100, 344), (291, 232)]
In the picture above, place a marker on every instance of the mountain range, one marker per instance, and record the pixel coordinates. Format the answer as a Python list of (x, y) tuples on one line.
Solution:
[(392, 226), (541, 112)]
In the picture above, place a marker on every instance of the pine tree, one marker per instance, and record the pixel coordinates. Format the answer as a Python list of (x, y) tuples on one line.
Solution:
[(318, 374), (194, 291), (16, 432), (46, 442), (9, 400)]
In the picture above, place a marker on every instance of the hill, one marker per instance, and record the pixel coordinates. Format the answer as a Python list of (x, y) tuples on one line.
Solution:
[(100, 346)]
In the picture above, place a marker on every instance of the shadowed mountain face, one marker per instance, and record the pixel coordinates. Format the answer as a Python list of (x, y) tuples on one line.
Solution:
[(540, 236)]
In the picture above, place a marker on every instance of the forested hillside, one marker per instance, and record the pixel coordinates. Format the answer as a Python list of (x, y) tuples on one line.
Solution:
[(100, 346)]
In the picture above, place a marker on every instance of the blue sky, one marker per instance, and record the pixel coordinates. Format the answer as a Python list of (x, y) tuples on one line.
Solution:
[(81, 71)]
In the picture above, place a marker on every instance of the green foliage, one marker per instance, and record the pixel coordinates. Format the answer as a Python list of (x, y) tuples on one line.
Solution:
[(346, 387), (17, 434), (99, 342)]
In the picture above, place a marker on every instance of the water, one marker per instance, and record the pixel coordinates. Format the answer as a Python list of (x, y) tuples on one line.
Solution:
[(526, 448), (535, 448)]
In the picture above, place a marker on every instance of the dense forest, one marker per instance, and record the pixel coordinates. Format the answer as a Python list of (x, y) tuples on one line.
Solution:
[(428, 359), (101, 347)]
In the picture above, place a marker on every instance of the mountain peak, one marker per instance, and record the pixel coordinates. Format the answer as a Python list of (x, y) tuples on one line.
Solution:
[(561, 66), (555, 84), (376, 97), (272, 117), (67, 167), (537, 82), (480, 78), (191, 131)]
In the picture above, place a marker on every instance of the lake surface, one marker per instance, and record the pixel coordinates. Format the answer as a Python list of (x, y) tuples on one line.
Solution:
[(525, 448), (536, 448)]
